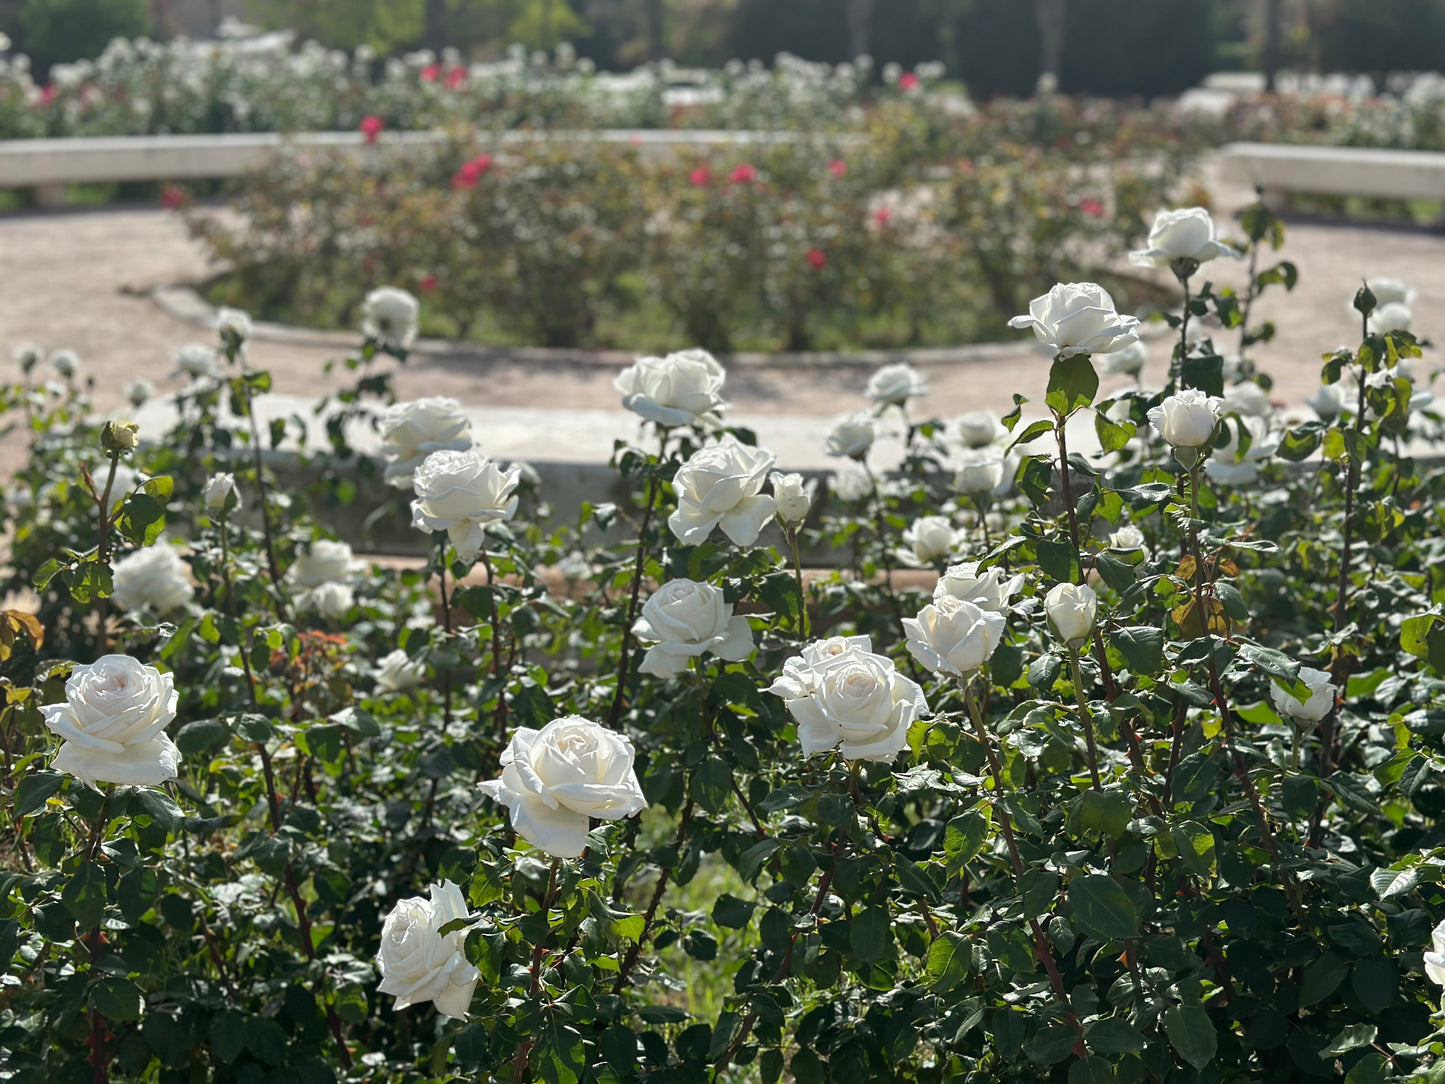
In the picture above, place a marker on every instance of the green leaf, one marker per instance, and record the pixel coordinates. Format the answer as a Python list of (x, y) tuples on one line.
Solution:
[(1058, 560), (227, 1035), (85, 895), (871, 935), (1113, 435), (142, 520), (1350, 1038), (731, 912), (1191, 1034), (265, 1040), (712, 783), (964, 838), (118, 1000), (202, 734), (1195, 843), (950, 958), (1113, 1035), (1102, 907), (1376, 982), (1105, 813), (1321, 979), (158, 806), (1073, 383), (1142, 647), (92, 580), (35, 790)]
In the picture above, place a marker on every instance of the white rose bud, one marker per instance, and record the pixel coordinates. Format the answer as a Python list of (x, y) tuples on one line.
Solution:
[(332, 601), (792, 498), (154, 579), (1128, 537), (234, 327), (980, 429), (1435, 958), (683, 620), (1071, 610), (389, 315), (113, 721), (980, 472), (221, 494), (1321, 699), (412, 431), (418, 963), (929, 539), (327, 561), (986, 590), (1078, 318), (396, 672), (1187, 421), (463, 493), (1186, 234), (894, 385), (951, 636), (853, 435), (684, 388), (66, 364), (721, 486), (844, 697), (557, 778)]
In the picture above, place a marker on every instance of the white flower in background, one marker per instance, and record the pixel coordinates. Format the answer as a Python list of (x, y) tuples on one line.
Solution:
[(1387, 291), (844, 697), (199, 361), (327, 561), (1247, 399), (396, 672), (980, 429), (1435, 958), (929, 539), (1071, 609), (463, 493), (234, 326), (721, 486), (684, 620), (1228, 467), (980, 472), (221, 494), (1129, 361), (684, 388), (1078, 318), (154, 579), (126, 479), (557, 778), (1128, 537), (66, 364), (852, 435), (894, 385), (850, 482), (1187, 420), (952, 636), (1185, 234), (113, 720), (138, 391), (1393, 316), (332, 601), (792, 498), (987, 590), (418, 963), (27, 356), (412, 431), (389, 315), (1319, 704), (1328, 400)]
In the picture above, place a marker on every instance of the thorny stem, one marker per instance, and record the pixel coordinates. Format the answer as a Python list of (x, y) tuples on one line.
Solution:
[(102, 551), (99, 1059), (625, 662), (521, 1061), (498, 667), (658, 891), (1067, 488), (446, 673), (1176, 374), (1085, 716), (804, 621)]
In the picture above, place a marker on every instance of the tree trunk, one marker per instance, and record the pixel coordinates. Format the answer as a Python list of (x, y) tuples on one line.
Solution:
[(860, 19), (1270, 58), (1050, 16)]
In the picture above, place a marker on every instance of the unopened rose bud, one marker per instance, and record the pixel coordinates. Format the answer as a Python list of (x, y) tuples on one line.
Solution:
[(119, 436), (1365, 300), (1071, 610)]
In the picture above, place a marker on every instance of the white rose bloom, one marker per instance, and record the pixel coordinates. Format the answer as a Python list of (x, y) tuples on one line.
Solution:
[(462, 493), (233, 324), (200, 361), (1321, 699), (1187, 420), (1393, 316), (684, 388), (1078, 318), (929, 539), (139, 390), (980, 472), (987, 590), (721, 486), (27, 356), (894, 385), (1247, 399), (154, 579), (980, 428), (1185, 234), (850, 482), (1129, 361), (557, 778), (326, 561), (1328, 401), (113, 721), (1128, 537), (418, 963), (951, 636), (1435, 958), (792, 498), (1227, 467), (332, 601), (66, 364), (852, 435), (412, 431), (396, 672), (844, 697), (1071, 609), (221, 494), (389, 315), (683, 620)]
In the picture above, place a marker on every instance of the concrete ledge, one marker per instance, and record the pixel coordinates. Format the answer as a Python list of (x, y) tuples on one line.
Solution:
[(1339, 171)]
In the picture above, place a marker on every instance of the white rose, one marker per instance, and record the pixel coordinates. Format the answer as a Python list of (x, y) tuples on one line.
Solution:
[(233, 325), (1071, 610), (929, 539), (331, 600), (139, 390), (1435, 959), (1228, 467), (557, 778), (980, 428), (951, 636), (1327, 401), (987, 590), (462, 493), (852, 435), (684, 388), (1247, 399), (850, 482), (418, 963), (1187, 420), (1129, 361), (27, 356), (221, 494), (1128, 537), (894, 385), (1321, 699), (1078, 318), (1185, 234), (113, 721), (980, 472), (844, 697), (684, 619), (66, 364), (154, 579), (721, 486), (389, 316), (1392, 316), (412, 431), (326, 561), (396, 672), (1387, 292), (199, 360), (792, 497)]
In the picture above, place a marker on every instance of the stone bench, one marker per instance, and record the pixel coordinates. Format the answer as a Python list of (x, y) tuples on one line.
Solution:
[(1285, 168)]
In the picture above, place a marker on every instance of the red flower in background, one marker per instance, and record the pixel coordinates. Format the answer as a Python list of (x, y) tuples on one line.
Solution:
[(1092, 207), (47, 94), (700, 177), (173, 198), (431, 73), (456, 77), (882, 216), (371, 127), (908, 81), (817, 259), (473, 171), (428, 284), (837, 167), (743, 174)]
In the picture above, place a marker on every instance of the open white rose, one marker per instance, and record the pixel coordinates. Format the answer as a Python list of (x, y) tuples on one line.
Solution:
[(951, 636), (396, 672), (894, 385), (1230, 468), (412, 431), (980, 429), (1328, 401), (154, 579), (684, 619), (1078, 318), (850, 482), (389, 315), (721, 486), (1435, 958), (463, 493), (220, 494), (418, 963), (200, 361), (556, 779), (987, 590), (980, 472), (1247, 399), (1185, 234), (1392, 316), (1187, 420), (684, 388), (1071, 610), (332, 601), (929, 539), (234, 326), (852, 435), (113, 721), (327, 561), (792, 497), (1321, 699)]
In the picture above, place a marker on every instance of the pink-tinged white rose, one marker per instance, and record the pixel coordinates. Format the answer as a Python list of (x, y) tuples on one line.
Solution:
[(113, 720)]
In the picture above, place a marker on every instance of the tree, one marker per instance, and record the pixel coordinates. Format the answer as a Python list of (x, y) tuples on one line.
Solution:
[(52, 31), (385, 25)]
